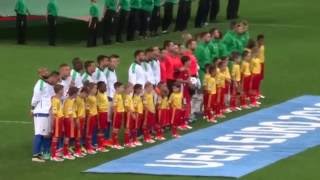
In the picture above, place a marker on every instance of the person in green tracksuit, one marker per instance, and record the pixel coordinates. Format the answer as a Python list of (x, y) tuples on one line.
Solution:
[(216, 46), (168, 14), (232, 39), (52, 14), (155, 18), (134, 19), (123, 19), (22, 11), (202, 53), (111, 9), (146, 11), (93, 23)]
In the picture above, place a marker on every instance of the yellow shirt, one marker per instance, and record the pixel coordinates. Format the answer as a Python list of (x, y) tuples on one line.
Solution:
[(163, 103), (175, 100), (220, 80), (148, 102), (212, 86), (118, 103), (261, 54), (56, 107), (245, 68), (138, 104), (91, 105), (80, 107), (205, 79), (68, 108), (226, 74), (236, 74), (255, 66), (102, 102), (128, 103)]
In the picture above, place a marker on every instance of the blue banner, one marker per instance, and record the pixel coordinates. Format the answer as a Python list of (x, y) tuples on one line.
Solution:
[(231, 149)]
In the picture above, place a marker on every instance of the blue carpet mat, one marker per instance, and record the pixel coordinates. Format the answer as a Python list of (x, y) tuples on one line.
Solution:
[(231, 149)]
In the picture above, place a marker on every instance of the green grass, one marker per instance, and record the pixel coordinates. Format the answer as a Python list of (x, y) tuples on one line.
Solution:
[(292, 69)]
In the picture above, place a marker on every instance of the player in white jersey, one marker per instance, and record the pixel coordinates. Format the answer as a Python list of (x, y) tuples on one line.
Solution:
[(146, 64), (76, 72), (137, 74), (40, 108), (90, 68), (99, 75), (155, 64)]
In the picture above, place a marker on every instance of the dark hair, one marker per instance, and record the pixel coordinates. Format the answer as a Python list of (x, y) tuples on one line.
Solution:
[(76, 61), (212, 69), (234, 55), (72, 91), (251, 44), (189, 42), (137, 87), (57, 88), (100, 84), (87, 64), (203, 34), (100, 58), (114, 56), (148, 50), (176, 84), (260, 36), (137, 52), (206, 66), (117, 85), (84, 89), (185, 59), (63, 65), (166, 43), (54, 73)]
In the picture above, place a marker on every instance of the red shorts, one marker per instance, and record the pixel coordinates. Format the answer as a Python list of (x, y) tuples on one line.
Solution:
[(117, 120), (139, 121), (226, 88), (69, 127), (102, 120), (233, 88), (79, 128), (212, 101), (262, 71), (176, 117), (246, 84), (57, 127), (91, 124), (130, 121), (163, 117), (255, 81), (149, 120)]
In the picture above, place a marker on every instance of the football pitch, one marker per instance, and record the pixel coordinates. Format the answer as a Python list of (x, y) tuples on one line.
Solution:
[(291, 28)]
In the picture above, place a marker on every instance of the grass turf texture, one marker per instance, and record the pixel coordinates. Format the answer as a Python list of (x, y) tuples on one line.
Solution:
[(292, 69)]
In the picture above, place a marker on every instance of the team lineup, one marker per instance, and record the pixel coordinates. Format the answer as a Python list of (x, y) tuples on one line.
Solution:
[(84, 109)]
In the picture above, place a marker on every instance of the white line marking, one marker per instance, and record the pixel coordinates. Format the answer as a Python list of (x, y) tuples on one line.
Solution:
[(16, 122)]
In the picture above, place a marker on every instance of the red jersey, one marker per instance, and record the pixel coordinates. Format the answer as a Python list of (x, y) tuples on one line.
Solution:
[(184, 75), (193, 62), (163, 71), (172, 63)]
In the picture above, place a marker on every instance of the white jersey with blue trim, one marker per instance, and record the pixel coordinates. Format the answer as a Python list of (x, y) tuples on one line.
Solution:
[(111, 76), (87, 77), (99, 75), (155, 65)]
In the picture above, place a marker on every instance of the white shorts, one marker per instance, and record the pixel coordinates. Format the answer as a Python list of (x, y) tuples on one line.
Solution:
[(42, 126)]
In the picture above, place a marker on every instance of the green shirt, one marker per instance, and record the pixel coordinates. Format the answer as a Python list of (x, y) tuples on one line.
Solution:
[(147, 5), (232, 42), (52, 8), (172, 1), (21, 7), (158, 3), (136, 4), (244, 39), (111, 4), (203, 54), (94, 10), (214, 48), (125, 5)]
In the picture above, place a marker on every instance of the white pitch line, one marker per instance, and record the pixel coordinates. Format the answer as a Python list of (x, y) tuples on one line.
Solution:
[(16, 122)]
